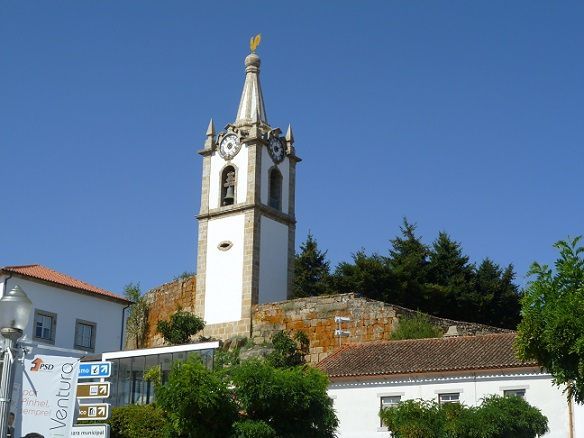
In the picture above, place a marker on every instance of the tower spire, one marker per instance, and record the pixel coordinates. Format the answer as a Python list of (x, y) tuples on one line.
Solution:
[(251, 106)]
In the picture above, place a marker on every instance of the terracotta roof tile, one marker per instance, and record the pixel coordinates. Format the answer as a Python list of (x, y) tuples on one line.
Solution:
[(43, 273), (424, 355)]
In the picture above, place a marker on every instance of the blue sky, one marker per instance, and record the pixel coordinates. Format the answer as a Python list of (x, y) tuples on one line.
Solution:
[(463, 116)]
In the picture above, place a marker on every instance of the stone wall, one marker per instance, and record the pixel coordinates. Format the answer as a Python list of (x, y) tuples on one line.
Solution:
[(370, 320), (315, 316), (163, 301)]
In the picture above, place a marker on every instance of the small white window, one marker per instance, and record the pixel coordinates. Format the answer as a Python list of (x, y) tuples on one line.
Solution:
[(514, 393), (451, 397), (388, 402), (45, 324), (85, 335)]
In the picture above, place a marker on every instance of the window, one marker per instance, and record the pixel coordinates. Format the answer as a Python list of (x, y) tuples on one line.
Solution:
[(452, 397), (275, 189), (388, 402), (514, 393), (45, 325), (228, 186), (84, 335)]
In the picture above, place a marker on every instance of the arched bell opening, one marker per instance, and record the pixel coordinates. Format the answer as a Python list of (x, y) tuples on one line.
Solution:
[(228, 181), (275, 189)]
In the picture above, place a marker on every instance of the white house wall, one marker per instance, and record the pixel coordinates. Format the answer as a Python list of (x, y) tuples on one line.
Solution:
[(273, 261), (357, 403), (284, 168), (217, 166), (70, 306), (224, 292)]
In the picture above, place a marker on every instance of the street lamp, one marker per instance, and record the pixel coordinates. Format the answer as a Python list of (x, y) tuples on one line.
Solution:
[(15, 310)]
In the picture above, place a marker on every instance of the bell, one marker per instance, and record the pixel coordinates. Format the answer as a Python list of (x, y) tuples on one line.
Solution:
[(228, 198)]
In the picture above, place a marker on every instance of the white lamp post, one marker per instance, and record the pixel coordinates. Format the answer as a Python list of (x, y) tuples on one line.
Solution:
[(15, 310)]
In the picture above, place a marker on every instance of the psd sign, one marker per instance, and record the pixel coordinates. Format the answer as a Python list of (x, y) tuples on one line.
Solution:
[(47, 401)]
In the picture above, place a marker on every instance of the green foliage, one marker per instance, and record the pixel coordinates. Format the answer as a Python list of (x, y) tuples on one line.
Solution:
[(180, 328), (137, 321), (197, 401), (416, 327), (288, 351), (252, 399), (497, 417), (311, 270), (137, 421), (293, 401), (253, 429), (184, 276), (552, 328), (437, 279)]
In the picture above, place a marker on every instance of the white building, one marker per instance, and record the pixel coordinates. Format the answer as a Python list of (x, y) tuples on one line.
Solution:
[(366, 377), (68, 313)]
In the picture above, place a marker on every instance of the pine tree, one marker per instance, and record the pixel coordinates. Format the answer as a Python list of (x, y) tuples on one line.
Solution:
[(311, 270), (370, 276), (409, 255)]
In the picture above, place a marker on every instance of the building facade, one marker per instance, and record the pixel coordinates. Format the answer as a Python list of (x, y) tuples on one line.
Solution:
[(246, 219), (466, 369), (68, 314)]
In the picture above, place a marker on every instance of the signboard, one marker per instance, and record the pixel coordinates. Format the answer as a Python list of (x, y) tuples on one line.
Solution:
[(95, 370), (90, 431), (46, 404), (94, 411), (93, 390)]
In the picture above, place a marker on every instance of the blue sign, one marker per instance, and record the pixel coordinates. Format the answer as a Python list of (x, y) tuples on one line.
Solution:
[(95, 370)]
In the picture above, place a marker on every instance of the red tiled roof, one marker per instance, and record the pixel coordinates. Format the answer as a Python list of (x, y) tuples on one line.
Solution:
[(424, 355), (43, 273)]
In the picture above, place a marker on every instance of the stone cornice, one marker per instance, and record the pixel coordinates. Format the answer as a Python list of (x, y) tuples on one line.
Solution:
[(265, 210)]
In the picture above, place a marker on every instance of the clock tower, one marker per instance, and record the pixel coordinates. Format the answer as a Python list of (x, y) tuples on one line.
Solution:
[(246, 221)]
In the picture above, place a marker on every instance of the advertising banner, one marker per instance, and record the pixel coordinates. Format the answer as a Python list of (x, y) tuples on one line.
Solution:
[(46, 404)]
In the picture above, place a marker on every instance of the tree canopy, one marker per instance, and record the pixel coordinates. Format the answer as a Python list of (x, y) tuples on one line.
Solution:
[(438, 279), (552, 328)]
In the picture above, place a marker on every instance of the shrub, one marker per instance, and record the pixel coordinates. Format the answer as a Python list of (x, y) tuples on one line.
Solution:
[(416, 327), (137, 421), (180, 328)]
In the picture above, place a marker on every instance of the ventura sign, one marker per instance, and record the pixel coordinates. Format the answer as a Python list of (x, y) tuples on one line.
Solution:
[(95, 370), (47, 402)]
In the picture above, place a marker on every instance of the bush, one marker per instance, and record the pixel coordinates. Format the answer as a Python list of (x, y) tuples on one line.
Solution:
[(180, 328), (416, 327), (497, 417), (253, 429), (137, 421)]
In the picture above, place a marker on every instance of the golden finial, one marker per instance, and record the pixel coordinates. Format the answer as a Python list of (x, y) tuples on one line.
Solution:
[(254, 42)]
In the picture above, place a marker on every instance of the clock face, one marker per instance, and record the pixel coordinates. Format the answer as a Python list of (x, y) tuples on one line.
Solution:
[(229, 146), (276, 149)]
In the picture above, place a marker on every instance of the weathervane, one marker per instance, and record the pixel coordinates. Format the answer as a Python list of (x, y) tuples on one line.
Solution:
[(254, 42)]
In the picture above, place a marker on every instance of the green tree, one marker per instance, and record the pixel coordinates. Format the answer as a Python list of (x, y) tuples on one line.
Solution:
[(311, 270), (552, 328), (499, 297), (137, 320), (181, 326), (496, 417), (370, 276), (288, 351), (197, 401), (418, 326), (292, 401)]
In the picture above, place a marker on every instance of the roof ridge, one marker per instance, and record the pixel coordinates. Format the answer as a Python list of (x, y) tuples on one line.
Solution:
[(20, 266), (441, 338)]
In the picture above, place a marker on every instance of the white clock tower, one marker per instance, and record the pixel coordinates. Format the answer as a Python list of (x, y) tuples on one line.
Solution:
[(246, 221)]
